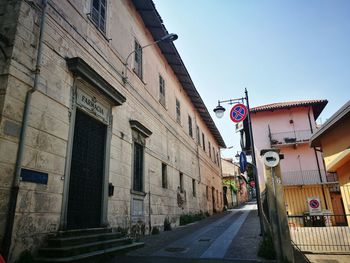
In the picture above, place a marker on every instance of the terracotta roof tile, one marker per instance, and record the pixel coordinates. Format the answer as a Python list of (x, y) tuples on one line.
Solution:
[(317, 105)]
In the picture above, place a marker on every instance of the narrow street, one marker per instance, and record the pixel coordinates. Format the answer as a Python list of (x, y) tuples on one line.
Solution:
[(232, 236)]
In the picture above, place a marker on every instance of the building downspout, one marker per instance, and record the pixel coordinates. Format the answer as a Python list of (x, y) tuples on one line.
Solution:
[(318, 164), (6, 244)]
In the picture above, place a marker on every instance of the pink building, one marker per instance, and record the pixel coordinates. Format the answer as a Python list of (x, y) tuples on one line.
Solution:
[(288, 126)]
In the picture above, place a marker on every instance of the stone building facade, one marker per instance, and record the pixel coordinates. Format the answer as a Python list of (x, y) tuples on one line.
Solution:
[(114, 133)]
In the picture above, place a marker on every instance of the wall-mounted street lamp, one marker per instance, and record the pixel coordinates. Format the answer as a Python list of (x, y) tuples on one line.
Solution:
[(167, 39), (219, 112)]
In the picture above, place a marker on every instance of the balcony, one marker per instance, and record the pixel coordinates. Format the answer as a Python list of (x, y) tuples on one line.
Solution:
[(308, 177), (290, 138)]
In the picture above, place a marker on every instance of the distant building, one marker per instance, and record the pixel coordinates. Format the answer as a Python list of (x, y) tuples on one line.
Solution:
[(236, 189), (333, 138), (288, 126), (116, 135)]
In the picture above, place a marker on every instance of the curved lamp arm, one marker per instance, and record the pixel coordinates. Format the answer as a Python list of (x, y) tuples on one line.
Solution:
[(167, 38)]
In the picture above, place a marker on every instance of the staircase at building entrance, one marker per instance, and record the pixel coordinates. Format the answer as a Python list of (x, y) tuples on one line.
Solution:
[(84, 244)]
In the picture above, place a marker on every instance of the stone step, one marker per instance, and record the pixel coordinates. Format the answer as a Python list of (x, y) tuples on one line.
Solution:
[(82, 232), (91, 255), (59, 241), (69, 251)]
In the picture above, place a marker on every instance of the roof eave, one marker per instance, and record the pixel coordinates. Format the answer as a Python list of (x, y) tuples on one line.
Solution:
[(339, 115), (154, 24)]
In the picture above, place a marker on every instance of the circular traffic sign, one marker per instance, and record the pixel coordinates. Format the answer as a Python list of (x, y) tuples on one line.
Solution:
[(238, 112), (314, 203)]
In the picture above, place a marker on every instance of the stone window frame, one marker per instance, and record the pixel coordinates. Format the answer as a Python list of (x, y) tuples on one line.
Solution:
[(178, 111), (181, 182), (190, 126), (164, 176), (162, 92), (198, 135), (138, 59), (203, 140), (97, 17), (194, 188), (139, 135), (209, 147)]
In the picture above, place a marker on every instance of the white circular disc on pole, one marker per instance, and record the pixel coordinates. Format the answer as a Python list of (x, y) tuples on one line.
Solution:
[(271, 159)]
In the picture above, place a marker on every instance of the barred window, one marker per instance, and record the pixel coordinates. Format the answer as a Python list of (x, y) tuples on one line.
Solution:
[(98, 14)]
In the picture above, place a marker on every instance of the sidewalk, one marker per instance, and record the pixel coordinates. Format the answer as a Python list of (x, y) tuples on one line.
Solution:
[(322, 258)]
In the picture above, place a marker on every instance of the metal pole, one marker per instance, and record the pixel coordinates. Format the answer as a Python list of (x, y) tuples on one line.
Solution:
[(257, 186)]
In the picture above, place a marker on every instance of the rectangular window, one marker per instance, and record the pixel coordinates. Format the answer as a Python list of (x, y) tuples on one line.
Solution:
[(209, 149), (164, 176), (207, 192), (138, 167), (161, 91), (181, 182), (194, 187), (178, 111), (198, 136), (98, 14), (203, 141), (214, 155), (138, 59), (190, 126)]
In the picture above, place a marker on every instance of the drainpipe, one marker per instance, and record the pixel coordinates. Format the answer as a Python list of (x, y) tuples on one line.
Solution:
[(6, 244), (317, 161)]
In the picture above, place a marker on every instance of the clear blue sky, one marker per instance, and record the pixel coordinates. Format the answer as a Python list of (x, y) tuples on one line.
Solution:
[(279, 50)]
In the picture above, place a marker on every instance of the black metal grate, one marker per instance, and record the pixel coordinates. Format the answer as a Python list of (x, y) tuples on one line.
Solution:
[(85, 186)]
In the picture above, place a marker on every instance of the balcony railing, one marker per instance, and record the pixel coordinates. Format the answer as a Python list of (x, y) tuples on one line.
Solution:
[(308, 177), (287, 138)]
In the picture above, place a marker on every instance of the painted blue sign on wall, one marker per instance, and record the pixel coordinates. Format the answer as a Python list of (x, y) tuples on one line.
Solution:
[(34, 176)]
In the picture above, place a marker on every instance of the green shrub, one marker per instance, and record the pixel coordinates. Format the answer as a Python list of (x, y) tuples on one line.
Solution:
[(25, 257), (267, 249), (167, 224)]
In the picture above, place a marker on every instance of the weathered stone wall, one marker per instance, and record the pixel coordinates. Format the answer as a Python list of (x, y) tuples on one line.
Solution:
[(70, 33)]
